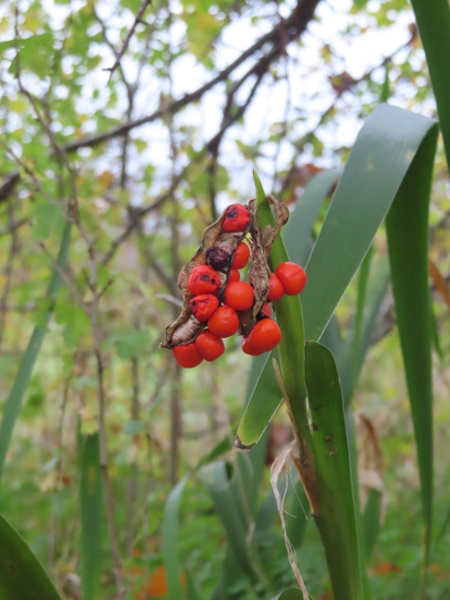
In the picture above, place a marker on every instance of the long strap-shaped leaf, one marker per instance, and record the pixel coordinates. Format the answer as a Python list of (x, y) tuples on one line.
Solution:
[(21, 574), (337, 519), (297, 233), (433, 20), (170, 526), (407, 231), (14, 402), (375, 171)]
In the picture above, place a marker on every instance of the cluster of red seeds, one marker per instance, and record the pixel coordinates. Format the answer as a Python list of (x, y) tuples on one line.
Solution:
[(221, 318)]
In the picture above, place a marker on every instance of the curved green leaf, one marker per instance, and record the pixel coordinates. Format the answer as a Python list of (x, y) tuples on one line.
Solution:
[(225, 492), (337, 520), (354, 347), (21, 574), (376, 168), (407, 233), (297, 232), (375, 171)]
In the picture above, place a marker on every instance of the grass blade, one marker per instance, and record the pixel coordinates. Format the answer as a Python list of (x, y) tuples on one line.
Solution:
[(351, 355), (170, 525), (407, 232), (337, 520), (91, 516), (21, 574), (372, 520), (14, 401), (223, 487)]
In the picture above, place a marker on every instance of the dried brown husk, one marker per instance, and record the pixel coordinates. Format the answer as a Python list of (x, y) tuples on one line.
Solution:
[(259, 272)]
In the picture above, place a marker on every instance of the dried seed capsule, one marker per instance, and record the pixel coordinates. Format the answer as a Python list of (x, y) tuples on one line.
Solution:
[(218, 258), (236, 218), (203, 306), (203, 280)]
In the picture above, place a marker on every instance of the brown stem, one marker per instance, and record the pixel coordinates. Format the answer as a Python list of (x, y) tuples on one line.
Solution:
[(145, 4)]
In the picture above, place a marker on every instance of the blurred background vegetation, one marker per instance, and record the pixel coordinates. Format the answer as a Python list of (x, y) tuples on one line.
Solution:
[(142, 121)]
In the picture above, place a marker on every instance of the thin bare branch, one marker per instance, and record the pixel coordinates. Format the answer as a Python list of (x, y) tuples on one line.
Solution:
[(145, 4), (101, 394), (294, 25)]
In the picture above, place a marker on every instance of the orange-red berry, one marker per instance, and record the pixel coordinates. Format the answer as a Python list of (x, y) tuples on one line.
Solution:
[(234, 275), (203, 280), (203, 306), (248, 348), (236, 218), (292, 277), (276, 290), (187, 356), (224, 322), (239, 295), (267, 309), (265, 335), (209, 346), (241, 256)]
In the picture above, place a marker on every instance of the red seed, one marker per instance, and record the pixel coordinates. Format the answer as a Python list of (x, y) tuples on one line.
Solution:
[(292, 277), (267, 309), (239, 295), (203, 280), (210, 346), (224, 322), (248, 348), (234, 275), (241, 256), (265, 335), (187, 356), (276, 290), (203, 306), (236, 218)]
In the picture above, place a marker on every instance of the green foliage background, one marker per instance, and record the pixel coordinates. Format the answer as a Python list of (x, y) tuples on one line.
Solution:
[(141, 160)]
